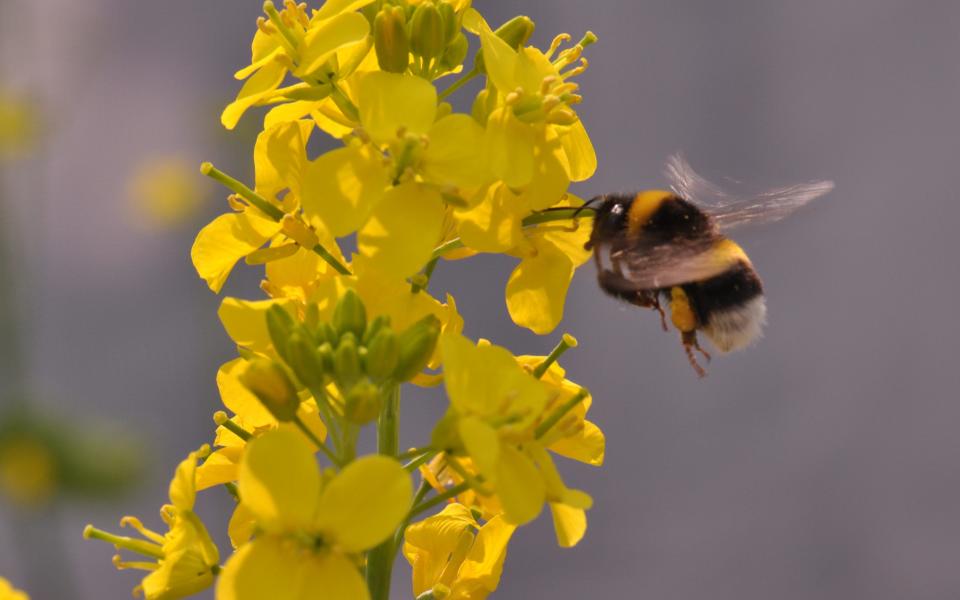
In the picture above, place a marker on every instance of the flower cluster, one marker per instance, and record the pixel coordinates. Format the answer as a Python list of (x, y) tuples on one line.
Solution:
[(412, 182)]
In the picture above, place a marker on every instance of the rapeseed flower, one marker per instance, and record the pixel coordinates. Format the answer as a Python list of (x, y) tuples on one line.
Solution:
[(8, 592), (312, 525), (185, 559), (455, 556)]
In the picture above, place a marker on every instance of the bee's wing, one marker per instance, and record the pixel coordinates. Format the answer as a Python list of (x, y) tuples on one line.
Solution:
[(668, 264), (731, 210)]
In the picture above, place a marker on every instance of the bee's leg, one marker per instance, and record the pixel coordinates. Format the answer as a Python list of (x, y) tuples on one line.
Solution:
[(654, 302), (690, 344)]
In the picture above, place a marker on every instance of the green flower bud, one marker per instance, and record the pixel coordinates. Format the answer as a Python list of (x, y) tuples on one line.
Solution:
[(390, 40), (350, 316), (383, 353), (279, 325), (514, 32), (326, 356), (311, 316), (346, 362), (417, 343), (374, 327), (427, 36), (362, 403), (451, 22), (304, 359), (271, 385), (455, 53), (326, 333)]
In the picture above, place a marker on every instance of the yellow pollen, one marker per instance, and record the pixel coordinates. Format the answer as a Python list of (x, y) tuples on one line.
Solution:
[(574, 72), (547, 83)]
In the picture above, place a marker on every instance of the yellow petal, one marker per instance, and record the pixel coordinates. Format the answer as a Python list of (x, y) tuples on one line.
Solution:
[(325, 37), (537, 289), (259, 87), (279, 155), (391, 101), (183, 486), (495, 224), (279, 481), (581, 157), (486, 381), (364, 503), (569, 523), (519, 485), (586, 446), (332, 8), (219, 468), (480, 573), (454, 155), (224, 241), (509, 148), (271, 567), (342, 187), (549, 181), (403, 229), (290, 111), (500, 59), (181, 574), (237, 398), (482, 444), (242, 526), (428, 544), (246, 321)]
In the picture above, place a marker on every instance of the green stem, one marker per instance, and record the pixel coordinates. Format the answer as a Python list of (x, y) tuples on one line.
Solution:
[(418, 497), (439, 499), (380, 559), (558, 414), (264, 206), (456, 85), (317, 441)]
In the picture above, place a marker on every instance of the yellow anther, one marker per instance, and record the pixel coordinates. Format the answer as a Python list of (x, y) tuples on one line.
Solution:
[(562, 117), (548, 82), (557, 41), (296, 230), (236, 203), (578, 70)]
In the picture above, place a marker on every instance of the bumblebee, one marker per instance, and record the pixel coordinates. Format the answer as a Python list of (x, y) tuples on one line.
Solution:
[(668, 248)]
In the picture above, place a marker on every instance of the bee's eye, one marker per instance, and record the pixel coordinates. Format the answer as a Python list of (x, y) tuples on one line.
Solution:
[(617, 209)]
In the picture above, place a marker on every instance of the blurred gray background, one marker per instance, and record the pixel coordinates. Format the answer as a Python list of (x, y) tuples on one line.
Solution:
[(822, 463)]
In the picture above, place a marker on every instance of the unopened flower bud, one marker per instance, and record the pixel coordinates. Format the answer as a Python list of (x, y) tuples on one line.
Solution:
[(455, 53), (427, 36), (374, 327), (346, 362), (417, 343), (390, 40), (279, 325), (269, 382), (326, 333), (451, 23), (326, 356), (304, 359), (362, 403), (383, 354), (350, 316), (514, 32)]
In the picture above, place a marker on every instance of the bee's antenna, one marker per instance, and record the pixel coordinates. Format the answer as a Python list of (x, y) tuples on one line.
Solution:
[(585, 206)]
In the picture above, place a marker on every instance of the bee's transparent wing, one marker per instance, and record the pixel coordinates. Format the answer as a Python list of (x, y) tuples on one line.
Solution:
[(674, 263), (731, 210)]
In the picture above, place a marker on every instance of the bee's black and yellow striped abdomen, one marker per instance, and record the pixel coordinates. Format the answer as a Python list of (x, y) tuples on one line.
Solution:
[(726, 303)]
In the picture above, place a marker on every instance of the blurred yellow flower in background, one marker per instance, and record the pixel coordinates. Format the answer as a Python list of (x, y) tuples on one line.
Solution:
[(165, 191), (8, 592)]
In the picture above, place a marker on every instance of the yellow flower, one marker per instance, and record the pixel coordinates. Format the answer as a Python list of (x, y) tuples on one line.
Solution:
[(453, 553), (8, 592), (312, 526), (279, 157), (165, 191), (534, 107), (28, 470), (390, 189), (505, 419), (185, 559), (19, 124), (317, 48)]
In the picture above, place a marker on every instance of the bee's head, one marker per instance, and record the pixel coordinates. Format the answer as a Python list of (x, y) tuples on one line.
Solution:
[(609, 219)]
